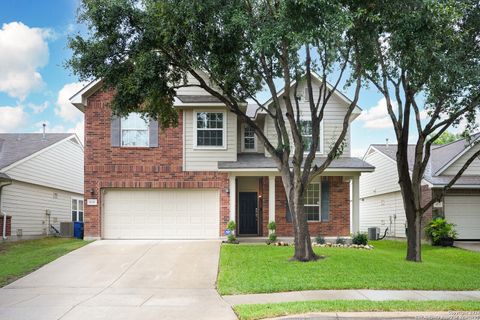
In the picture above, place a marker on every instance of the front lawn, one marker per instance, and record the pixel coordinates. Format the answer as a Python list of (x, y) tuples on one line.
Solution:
[(260, 311), (20, 258), (262, 268)]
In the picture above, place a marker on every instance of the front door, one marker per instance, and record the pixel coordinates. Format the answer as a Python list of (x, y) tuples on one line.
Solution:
[(247, 212)]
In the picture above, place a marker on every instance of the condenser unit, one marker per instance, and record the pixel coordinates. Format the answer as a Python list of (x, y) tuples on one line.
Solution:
[(373, 233), (66, 229)]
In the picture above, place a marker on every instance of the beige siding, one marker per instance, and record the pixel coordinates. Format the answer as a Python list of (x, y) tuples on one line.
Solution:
[(332, 121), (473, 169), (259, 147), (383, 211), (60, 167), (26, 203), (207, 159), (383, 180), (192, 90)]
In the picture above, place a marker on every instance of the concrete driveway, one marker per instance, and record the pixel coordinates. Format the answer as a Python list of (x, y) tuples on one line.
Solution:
[(122, 279), (468, 245)]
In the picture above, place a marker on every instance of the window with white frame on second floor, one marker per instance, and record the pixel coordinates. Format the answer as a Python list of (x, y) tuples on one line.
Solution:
[(134, 131), (248, 138), (306, 131), (210, 129)]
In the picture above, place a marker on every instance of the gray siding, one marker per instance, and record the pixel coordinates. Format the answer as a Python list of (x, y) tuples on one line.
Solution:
[(206, 159), (473, 169), (60, 167), (26, 203)]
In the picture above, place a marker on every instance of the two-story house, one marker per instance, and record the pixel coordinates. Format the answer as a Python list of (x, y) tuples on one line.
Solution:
[(187, 182)]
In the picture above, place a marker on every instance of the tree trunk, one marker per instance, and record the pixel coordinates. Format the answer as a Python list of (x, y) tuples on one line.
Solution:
[(414, 238), (303, 243)]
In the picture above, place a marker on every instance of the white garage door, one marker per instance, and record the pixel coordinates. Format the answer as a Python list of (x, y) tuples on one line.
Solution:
[(464, 211), (161, 214)]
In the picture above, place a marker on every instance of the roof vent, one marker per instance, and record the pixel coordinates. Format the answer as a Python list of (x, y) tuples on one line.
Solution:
[(386, 143), (44, 137)]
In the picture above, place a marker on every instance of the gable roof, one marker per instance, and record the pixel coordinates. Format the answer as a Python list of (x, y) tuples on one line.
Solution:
[(337, 92), (442, 156), (18, 146)]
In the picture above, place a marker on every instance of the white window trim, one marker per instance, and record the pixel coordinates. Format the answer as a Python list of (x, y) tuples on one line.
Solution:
[(321, 140), (133, 129), (224, 129), (71, 207), (319, 202), (243, 149)]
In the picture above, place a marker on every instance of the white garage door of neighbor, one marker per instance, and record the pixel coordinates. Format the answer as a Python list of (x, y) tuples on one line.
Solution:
[(161, 214), (464, 211)]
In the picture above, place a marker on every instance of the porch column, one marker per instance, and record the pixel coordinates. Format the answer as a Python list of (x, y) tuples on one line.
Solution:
[(271, 198), (355, 204), (233, 197)]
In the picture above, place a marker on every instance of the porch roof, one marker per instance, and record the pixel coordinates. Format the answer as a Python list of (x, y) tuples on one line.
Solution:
[(257, 161)]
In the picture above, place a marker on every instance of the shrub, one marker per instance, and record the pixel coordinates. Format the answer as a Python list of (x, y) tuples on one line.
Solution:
[(231, 226), (439, 229), (319, 239), (272, 237), (272, 226), (360, 238), (231, 238), (340, 241)]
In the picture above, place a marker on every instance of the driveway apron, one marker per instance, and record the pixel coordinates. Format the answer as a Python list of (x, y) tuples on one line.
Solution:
[(122, 279)]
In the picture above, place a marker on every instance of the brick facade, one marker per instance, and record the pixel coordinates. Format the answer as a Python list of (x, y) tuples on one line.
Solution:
[(8, 226), (339, 219), (115, 167)]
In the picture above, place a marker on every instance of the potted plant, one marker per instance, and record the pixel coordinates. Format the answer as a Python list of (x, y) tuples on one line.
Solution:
[(272, 236), (231, 238), (441, 233)]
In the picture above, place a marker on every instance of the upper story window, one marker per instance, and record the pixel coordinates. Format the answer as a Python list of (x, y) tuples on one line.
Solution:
[(210, 129), (249, 143), (306, 131), (134, 131)]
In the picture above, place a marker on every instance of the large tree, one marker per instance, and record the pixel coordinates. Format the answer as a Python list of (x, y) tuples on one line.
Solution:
[(423, 56), (145, 49)]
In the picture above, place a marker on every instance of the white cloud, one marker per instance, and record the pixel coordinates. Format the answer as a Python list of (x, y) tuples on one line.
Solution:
[(23, 50), (64, 108), (376, 117), (38, 108), (11, 118)]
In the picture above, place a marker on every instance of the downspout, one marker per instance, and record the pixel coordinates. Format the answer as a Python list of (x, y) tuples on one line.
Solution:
[(4, 227)]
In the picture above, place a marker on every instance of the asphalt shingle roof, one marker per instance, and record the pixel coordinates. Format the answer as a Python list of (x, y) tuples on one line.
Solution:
[(16, 146), (259, 161)]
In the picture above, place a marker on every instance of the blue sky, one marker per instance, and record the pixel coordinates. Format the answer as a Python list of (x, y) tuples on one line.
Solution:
[(35, 87)]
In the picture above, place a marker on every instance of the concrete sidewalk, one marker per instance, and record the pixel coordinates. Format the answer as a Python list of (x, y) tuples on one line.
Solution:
[(374, 295)]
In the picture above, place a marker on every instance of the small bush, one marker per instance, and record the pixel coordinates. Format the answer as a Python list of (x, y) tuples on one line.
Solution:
[(272, 226), (319, 239), (272, 237), (340, 241), (439, 229), (231, 226), (360, 238), (231, 238)]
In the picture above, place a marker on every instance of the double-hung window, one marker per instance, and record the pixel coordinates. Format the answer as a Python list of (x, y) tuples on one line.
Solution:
[(77, 209), (134, 131), (248, 138), (307, 137), (210, 129), (312, 202)]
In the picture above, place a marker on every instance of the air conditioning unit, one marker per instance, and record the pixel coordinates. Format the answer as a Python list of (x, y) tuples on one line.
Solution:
[(66, 229), (373, 233)]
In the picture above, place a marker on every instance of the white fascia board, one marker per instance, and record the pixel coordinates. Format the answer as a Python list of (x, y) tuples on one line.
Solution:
[(33, 155), (79, 99)]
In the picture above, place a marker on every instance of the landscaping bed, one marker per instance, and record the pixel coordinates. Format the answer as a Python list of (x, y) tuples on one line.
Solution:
[(260, 311), (262, 268), (22, 257)]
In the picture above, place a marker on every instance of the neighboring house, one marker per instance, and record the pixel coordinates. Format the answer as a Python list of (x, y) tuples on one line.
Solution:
[(42, 179), (381, 203), (188, 182)]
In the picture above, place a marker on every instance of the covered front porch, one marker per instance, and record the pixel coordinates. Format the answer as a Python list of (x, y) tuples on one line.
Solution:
[(258, 198)]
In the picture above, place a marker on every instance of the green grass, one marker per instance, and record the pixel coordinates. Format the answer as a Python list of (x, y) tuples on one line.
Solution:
[(259, 311), (262, 268), (20, 258)]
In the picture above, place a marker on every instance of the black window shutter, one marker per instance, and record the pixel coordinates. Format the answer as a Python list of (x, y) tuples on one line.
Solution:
[(153, 134), (325, 200), (115, 131)]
